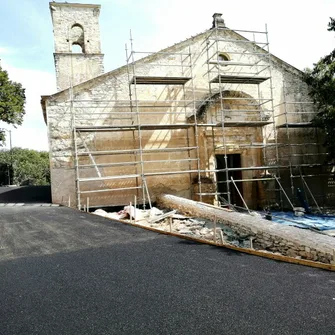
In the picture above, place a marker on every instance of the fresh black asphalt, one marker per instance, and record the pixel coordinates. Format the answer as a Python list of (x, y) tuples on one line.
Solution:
[(25, 194), (65, 272)]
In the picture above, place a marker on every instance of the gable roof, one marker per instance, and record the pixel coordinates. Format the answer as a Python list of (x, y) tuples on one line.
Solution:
[(148, 58)]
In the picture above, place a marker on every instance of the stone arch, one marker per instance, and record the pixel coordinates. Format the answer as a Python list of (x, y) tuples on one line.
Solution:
[(77, 37), (241, 107), (241, 143)]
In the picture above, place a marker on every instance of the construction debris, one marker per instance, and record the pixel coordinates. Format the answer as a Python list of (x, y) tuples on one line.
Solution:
[(180, 224), (118, 216), (231, 228), (161, 217)]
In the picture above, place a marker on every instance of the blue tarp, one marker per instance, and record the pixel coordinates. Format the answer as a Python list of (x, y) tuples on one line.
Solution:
[(321, 222)]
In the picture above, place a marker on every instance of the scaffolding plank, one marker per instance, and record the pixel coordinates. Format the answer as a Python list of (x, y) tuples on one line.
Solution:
[(148, 174), (296, 125), (213, 193), (239, 79), (137, 175), (228, 62), (148, 80), (267, 167), (248, 180), (110, 190), (243, 123), (133, 151), (109, 177), (252, 145), (90, 166), (239, 41), (134, 127)]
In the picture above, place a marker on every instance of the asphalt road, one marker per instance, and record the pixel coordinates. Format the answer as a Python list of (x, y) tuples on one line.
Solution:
[(25, 194), (64, 272)]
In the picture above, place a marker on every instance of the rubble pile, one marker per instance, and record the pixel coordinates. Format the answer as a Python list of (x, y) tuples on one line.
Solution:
[(176, 223), (241, 230)]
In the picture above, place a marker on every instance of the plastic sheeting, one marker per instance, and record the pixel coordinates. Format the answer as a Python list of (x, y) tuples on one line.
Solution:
[(321, 222)]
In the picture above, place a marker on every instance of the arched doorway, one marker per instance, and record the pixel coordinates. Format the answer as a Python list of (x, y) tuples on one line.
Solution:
[(232, 139)]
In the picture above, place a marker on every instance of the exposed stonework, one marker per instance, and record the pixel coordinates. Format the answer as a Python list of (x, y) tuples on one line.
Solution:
[(76, 24)]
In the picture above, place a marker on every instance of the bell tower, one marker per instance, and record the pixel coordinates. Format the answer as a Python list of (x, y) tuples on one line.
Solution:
[(77, 56)]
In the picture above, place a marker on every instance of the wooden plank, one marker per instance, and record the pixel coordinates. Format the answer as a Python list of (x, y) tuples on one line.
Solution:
[(296, 125), (147, 80), (239, 79), (161, 217), (84, 129), (245, 123)]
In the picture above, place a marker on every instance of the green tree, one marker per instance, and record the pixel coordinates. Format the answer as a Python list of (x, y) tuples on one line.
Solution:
[(25, 166), (321, 80), (12, 101)]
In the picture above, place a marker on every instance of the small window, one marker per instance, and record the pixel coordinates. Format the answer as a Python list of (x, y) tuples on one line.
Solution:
[(223, 57)]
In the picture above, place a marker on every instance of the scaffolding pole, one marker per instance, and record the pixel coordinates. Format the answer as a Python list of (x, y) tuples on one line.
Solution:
[(123, 116)]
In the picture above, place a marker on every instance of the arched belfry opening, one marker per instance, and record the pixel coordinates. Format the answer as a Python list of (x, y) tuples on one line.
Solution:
[(77, 48), (78, 56), (77, 38)]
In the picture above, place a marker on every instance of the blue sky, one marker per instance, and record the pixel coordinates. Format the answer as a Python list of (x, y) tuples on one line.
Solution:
[(297, 34)]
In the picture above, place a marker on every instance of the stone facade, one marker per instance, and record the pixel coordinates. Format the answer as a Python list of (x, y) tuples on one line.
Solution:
[(176, 137)]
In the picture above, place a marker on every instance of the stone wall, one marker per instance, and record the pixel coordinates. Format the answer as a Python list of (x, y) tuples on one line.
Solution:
[(82, 66), (76, 24), (267, 235)]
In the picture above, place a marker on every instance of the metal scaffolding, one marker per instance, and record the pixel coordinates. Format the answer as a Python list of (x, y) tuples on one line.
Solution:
[(237, 61), (302, 157), (131, 116), (232, 70)]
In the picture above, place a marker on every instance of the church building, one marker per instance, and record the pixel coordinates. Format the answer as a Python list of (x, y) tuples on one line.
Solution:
[(215, 118)]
